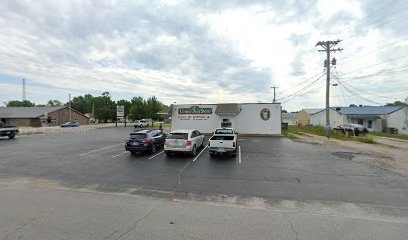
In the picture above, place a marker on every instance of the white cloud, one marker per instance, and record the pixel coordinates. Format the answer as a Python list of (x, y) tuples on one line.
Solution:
[(196, 52)]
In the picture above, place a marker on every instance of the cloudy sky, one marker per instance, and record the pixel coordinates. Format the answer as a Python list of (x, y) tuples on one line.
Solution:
[(204, 51)]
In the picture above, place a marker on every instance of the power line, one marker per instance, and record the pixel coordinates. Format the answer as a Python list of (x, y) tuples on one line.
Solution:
[(304, 88), (375, 95), (304, 81), (376, 64), (358, 95)]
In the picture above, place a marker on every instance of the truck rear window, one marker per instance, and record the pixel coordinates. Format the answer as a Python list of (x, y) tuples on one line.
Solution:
[(222, 138), (178, 136), (138, 136), (224, 131)]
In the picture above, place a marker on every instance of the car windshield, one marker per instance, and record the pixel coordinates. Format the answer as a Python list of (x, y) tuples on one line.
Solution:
[(138, 136), (178, 136), (224, 131)]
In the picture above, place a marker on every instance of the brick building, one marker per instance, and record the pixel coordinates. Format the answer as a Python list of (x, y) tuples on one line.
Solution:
[(40, 116)]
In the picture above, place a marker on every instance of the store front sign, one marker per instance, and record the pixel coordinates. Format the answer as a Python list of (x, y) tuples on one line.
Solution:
[(195, 110)]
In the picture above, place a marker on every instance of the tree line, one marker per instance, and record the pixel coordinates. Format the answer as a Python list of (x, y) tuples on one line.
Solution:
[(104, 108)]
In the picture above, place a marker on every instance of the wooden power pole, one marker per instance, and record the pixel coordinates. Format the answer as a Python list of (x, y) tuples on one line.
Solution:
[(328, 47)]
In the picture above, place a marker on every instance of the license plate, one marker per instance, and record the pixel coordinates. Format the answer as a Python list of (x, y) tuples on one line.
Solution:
[(135, 144), (221, 150)]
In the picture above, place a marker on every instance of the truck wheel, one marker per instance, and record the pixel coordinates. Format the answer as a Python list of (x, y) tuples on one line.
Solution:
[(234, 153), (211, 153), (169, 154), (11, 136)]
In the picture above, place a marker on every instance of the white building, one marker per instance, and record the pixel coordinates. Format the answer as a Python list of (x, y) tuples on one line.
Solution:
[(375, 119), (292, 119), (246, 118)]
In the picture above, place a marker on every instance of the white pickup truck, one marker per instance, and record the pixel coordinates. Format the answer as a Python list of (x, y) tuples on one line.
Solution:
[(9, 131), (224, 140)]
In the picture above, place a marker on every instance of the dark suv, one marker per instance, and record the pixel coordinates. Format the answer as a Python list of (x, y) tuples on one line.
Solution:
[(145, 140)]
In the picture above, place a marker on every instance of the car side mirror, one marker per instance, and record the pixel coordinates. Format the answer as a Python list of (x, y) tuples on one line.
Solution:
[(236, 133)]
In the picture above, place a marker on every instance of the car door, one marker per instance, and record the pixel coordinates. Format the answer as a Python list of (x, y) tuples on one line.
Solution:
[(200, 137), (196, 138)]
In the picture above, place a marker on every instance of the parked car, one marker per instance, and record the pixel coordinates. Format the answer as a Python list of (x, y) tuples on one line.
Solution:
[(9, 131), (351, 128), (70, 124), (223, 141), (145, 140), (184, 141), (141, 124)]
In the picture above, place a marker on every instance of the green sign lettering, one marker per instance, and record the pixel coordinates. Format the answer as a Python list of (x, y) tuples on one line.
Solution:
[(195, 110)]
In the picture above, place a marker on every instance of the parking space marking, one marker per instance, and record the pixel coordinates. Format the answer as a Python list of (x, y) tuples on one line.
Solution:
[(156, 155), (120, 154), (200, 153), (239, 154), (95, 150)]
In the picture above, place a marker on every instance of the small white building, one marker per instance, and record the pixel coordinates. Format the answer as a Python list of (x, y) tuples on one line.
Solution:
[(374, 118), (292, 119), (246, 118)]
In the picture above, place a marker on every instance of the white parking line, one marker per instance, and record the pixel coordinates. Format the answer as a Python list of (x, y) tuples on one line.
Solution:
[(82, 154), (156, 155), (239, 154), (119, 154), (200, 153)]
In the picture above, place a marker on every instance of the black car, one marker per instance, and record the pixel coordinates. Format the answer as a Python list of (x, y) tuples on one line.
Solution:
[(351, 128), (145, 141)]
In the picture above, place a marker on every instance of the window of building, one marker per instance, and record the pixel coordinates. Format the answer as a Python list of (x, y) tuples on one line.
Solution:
[(370, 124), (360, 121), (226, 123)]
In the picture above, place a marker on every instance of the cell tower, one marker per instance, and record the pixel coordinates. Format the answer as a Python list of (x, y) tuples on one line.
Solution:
[(24, 90)]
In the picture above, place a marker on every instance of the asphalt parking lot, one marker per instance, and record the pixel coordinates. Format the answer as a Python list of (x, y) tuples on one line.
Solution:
[(266, 167)]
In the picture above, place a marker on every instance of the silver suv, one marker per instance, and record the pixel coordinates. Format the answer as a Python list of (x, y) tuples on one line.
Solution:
[(184, 141)]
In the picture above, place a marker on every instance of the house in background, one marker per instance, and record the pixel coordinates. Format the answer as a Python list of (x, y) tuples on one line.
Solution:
[(292, 119), (304, 115), (376, 119), (40, 116)]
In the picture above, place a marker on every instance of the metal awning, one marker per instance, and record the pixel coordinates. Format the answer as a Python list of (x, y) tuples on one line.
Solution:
[(228, 109)]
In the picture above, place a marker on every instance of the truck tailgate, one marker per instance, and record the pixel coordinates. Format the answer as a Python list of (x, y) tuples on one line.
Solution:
[(222, 142)]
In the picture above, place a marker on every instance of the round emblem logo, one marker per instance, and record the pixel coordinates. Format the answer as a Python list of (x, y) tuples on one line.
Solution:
[(265, 114)]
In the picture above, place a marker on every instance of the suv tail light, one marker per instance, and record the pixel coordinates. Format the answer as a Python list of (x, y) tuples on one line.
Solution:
[(208, 143), (147, 141), (233, 144), (189, 143), (127, 141)]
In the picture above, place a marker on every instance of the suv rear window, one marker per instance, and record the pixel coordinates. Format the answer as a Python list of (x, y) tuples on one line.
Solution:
[(138, 136), (224, 131), (178, 136)]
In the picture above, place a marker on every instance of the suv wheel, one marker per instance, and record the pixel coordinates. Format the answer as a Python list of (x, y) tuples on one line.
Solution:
[(154, 149), (11, 136), (169, 154), (194, 151)]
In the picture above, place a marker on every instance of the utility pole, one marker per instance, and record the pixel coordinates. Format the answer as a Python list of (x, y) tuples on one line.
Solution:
[(69, 106), (274, 94), (24, 90), (328, 47)]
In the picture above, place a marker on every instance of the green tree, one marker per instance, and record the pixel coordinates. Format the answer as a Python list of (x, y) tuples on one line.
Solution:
[(54, 103), (153, 107), (16, 103), (396, 103), (353, 105), (105, 108), (137, 109)]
